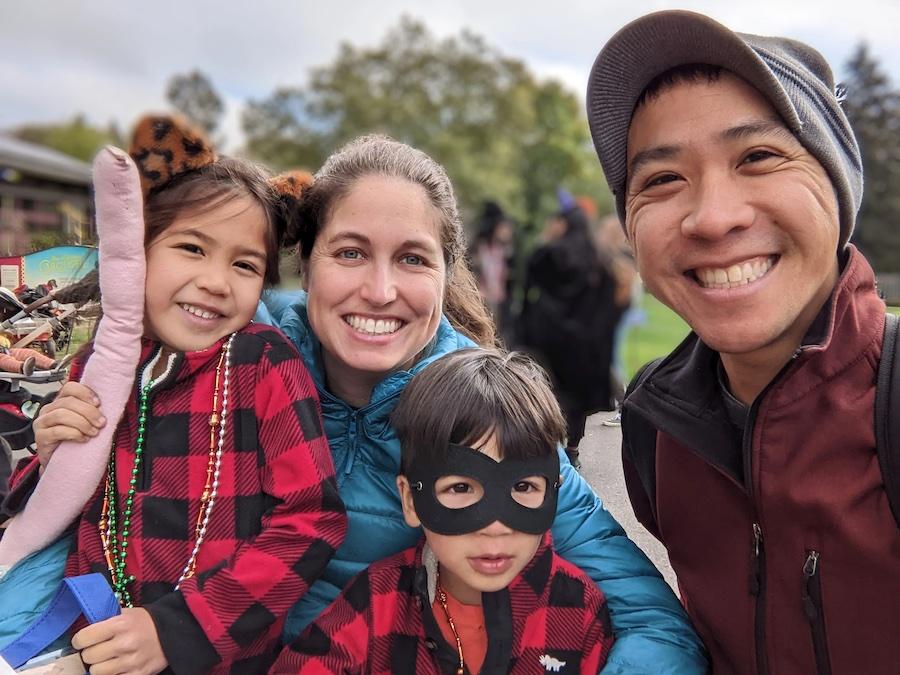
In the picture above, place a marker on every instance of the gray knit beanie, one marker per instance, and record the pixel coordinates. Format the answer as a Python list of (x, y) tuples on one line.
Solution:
[(792, 76)]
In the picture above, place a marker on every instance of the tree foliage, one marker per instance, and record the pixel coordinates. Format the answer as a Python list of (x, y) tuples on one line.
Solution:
[(193, 95), (500, 133), (873, 108), (76, 137)]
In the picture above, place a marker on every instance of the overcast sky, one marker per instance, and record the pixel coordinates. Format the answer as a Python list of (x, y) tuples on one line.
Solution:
[(110, 59)]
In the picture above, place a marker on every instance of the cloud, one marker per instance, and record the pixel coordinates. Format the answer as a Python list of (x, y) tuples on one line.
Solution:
[(112, 59)]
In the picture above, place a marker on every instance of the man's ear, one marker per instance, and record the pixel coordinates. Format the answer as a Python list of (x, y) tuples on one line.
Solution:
[(409, 510)]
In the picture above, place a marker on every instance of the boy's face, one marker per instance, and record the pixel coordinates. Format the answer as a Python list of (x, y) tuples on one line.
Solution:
[(488, 559)]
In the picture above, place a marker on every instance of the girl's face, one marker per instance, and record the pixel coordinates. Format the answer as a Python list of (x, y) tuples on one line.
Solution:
[(205, 275), (376, 278)]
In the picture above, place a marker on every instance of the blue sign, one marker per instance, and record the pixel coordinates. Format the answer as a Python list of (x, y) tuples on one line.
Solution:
[(66, 264)]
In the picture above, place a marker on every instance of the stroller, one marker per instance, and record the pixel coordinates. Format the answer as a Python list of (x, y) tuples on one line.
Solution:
[(18, 405), (37, 324)]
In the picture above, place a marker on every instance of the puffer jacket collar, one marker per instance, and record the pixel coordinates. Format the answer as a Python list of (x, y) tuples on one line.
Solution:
[(681, 399), (295, 323)]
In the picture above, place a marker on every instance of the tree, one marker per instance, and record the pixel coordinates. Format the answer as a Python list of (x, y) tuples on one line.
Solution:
[(76, 138), (499, 132), (873, 108), (194, 96)]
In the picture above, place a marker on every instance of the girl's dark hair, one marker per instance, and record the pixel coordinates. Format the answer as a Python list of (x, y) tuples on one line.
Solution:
[(469, 395), (377, 155), (201, 190)]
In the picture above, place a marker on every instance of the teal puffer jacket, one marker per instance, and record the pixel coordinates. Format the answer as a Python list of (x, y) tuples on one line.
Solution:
[(653, 634)]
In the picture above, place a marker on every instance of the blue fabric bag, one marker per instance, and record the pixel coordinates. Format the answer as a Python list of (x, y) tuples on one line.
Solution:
[(37, 606), (28, 586)]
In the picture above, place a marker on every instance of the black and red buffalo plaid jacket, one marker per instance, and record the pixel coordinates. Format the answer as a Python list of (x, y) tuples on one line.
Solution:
[(277, 517), (551, 618)]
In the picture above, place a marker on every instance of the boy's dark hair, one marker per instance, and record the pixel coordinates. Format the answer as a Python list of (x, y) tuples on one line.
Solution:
[(469, 395)]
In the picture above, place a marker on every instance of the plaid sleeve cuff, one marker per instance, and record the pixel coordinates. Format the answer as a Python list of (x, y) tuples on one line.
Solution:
[(183, 641)]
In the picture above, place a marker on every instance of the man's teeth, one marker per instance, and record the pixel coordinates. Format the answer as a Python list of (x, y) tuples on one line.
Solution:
[(196, 311), (734, 276), (372, 326)]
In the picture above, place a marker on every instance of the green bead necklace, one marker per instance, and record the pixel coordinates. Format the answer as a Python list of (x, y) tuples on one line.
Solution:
[(114, 541), (115, 544)]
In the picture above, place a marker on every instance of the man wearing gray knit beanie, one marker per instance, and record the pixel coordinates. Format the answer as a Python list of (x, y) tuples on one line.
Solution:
[(750, 451)]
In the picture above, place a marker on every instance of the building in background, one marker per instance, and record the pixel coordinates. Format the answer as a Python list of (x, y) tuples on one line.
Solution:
[(45, 198)]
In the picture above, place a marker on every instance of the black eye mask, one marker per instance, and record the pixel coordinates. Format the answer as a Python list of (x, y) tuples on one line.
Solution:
[(498, 480)]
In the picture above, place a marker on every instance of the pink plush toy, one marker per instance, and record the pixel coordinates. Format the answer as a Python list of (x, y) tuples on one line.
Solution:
[(71, 478)]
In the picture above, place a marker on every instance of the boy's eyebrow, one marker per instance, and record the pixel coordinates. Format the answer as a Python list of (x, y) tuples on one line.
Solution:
[(206, 239)]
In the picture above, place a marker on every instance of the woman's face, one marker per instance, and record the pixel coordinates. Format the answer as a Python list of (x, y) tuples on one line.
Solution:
[(375, 279)]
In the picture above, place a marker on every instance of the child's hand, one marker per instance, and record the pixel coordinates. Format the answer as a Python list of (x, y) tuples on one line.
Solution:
[(73, 416), (126, 644)]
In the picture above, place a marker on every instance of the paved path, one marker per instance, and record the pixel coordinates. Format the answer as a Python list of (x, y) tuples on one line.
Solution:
[(601, 460)]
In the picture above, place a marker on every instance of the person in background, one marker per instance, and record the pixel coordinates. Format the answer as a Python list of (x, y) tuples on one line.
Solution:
[(493, 263), (569, 317), (22, 360), (629, 294)]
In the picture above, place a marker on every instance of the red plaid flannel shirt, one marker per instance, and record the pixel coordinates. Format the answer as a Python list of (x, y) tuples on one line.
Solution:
[(551, 618), (277, 517)]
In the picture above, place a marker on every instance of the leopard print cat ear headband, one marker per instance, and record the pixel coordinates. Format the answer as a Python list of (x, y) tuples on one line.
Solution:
[(166, 146)]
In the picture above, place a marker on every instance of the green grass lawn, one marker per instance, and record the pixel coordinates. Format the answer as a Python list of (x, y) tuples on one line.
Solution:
[(660, 333)]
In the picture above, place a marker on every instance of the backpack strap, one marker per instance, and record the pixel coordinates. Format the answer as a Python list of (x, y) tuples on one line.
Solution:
[(639, 437), (88, 595), (887, 425)]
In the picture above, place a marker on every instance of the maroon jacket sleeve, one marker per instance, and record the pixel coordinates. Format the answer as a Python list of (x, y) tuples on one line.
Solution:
[(338, 641), (237, 605), (640, 501)]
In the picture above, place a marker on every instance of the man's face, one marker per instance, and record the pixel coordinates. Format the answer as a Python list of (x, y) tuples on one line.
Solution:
[(734, 224)]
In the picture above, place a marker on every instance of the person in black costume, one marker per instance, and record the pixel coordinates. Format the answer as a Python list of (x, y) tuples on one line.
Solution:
[(569, 318)]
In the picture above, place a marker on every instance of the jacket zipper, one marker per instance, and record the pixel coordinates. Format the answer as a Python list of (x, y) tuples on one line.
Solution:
[(758, 554), (143, 477), (812, 605), (758, 590)]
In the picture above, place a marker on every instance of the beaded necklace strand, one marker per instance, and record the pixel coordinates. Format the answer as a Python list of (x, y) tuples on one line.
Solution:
[(114, 540), (442, 597)]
